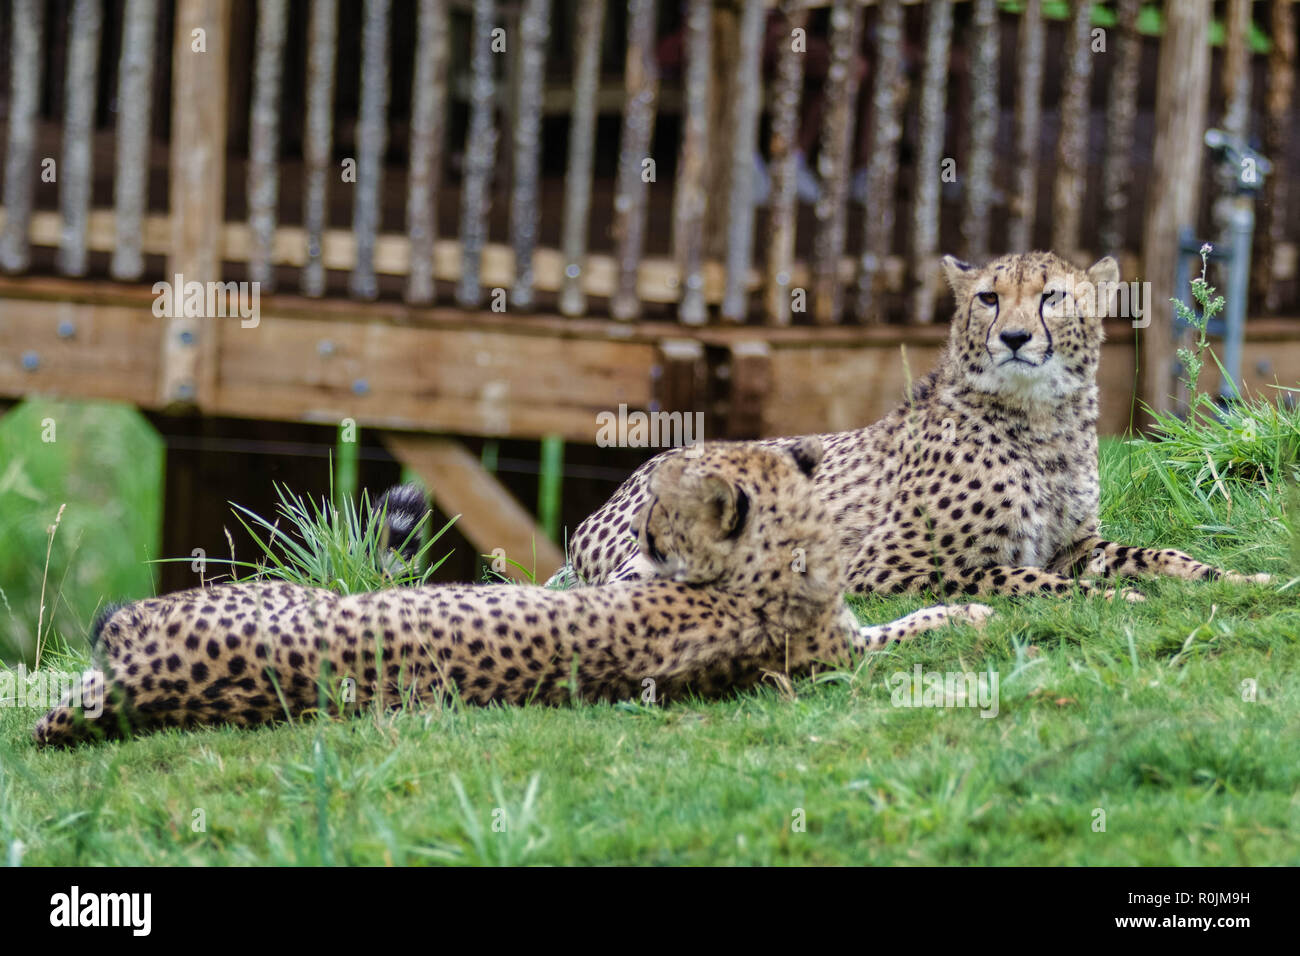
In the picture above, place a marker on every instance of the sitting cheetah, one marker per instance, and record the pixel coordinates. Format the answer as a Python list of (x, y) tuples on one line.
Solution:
[(748, 581), (985, 480)]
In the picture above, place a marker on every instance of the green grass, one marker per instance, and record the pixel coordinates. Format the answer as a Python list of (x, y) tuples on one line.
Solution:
[(105, 465), (1140, 711)]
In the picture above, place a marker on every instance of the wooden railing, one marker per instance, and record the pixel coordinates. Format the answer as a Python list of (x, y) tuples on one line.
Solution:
[(725, 261)]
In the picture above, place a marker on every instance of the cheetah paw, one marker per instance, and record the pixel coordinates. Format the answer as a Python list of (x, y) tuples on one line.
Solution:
[(1238, 578), (1128, 594), (974, 614)]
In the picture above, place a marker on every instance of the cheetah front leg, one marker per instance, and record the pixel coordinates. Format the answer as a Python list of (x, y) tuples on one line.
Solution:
[(874, 636), (1110, 559)]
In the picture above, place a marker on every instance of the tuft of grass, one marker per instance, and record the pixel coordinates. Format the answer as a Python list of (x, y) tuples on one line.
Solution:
[(1252, 439), (342, 547)]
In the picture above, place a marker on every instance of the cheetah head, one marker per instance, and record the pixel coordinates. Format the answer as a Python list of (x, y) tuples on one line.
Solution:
[(1027, 328), (744, 517)]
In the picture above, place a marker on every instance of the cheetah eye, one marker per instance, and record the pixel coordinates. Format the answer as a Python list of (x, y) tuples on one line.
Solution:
[(988, 298)]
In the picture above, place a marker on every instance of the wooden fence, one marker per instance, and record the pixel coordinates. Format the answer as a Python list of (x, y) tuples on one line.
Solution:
[(967, 87)]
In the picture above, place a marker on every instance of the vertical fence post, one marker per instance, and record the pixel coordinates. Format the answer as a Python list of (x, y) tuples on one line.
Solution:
[(480, 154), (1121, 112), (747, 81), (264, 139), (77, 173), (318, 139), (1072, 144), (200, 64), (428, 126), (1029, 113), (925, 210), (372, 143), (535, 27), (134, 123), (888, 94), (984, 127), (690, 198), (582, 140), (642, 78), (27, 39), (1182, 89), (1273, 220), (835, 162)]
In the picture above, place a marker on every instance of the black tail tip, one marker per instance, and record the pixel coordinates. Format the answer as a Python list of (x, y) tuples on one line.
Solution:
[(403, 507)]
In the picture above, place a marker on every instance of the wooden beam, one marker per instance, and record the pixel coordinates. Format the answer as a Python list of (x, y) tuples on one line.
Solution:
[(1182, 90), (658, 282), (681, 379), (79, 350), (446, 370), (490, 517), (200, 64), (750, 383)]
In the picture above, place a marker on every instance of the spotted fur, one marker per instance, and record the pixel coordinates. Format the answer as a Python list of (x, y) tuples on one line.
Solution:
[(748, 581), (985, 480)]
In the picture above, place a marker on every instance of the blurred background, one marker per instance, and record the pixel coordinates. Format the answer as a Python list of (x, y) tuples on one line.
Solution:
[(447, 237)]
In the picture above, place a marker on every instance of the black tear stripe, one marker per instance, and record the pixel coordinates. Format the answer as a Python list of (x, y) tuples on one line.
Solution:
[(742, 515)]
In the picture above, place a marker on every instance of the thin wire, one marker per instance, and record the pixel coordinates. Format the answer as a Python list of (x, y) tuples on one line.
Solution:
[(291, 449)]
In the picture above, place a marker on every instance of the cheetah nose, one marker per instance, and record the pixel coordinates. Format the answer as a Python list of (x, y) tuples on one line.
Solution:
[(1015, 339)]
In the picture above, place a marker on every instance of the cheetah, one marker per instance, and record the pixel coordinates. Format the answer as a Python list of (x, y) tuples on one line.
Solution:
[(748, 582), (984, 480)]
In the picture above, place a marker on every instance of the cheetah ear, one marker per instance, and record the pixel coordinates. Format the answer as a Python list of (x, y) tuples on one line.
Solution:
[(807, 453), (959, 274), (730, 504), (1103, 275), (1105, 269)]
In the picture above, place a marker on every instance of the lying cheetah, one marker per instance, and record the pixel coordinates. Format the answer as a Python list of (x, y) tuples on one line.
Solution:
[(748, 581), (985, 480)]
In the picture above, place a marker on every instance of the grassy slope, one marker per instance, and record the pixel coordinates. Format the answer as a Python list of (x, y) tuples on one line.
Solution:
[(1134, 710)]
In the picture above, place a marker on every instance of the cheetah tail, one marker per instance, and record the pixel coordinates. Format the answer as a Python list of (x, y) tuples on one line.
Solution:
[(403, 507), (102, 618)]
